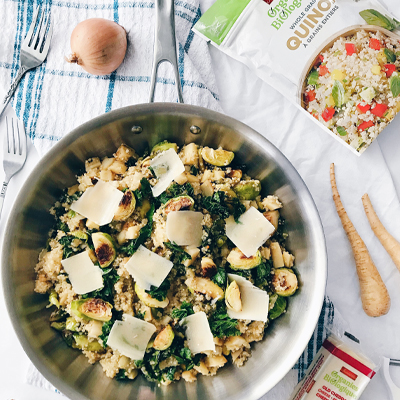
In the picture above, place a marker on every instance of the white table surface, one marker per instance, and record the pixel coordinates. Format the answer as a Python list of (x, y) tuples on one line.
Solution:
[(262, 108)]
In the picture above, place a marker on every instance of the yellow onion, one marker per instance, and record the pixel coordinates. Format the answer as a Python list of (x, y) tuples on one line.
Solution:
[(98, 46)]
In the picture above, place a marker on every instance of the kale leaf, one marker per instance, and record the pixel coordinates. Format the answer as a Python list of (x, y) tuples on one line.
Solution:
[(220, 277), (110, 278), (68, 250), (160, 293), (182, 312), (176, 190), (216, 205), (222, 206), (261, 273), (144, 192), (220, 323), (178, 254)]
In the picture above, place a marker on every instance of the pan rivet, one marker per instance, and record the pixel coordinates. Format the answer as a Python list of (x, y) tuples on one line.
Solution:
[(137, 129), (195, 130)]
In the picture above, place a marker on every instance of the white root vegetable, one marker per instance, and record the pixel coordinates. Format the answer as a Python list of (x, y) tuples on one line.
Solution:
[(391, 245), (374, 295)]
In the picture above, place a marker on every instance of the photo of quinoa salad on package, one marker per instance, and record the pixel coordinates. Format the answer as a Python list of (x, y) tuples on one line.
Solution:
[(337, 60), (353, 87)]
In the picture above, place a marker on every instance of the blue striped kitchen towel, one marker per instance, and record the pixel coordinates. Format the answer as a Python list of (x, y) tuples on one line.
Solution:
[(328, 321), (56, 97)]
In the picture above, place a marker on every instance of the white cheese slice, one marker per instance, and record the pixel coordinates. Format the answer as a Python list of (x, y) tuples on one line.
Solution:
[(131, 336), (251, 232), (255, 302), (167, 166), (148, 268), (82, 273), (184, 227), (198, 333), (98, 203)]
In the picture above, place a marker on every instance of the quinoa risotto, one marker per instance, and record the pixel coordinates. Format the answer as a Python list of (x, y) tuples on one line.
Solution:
[(354, 87), (184, 274)]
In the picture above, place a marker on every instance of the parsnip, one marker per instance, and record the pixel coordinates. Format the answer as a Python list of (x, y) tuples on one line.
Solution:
[(391, 245), (374, 295)]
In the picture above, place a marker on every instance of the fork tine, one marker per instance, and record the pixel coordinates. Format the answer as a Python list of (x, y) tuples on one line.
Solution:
[(38, 29), (48, 38), (43, 36), (6, 138), (14, 144), (22, 138), (29, 35)]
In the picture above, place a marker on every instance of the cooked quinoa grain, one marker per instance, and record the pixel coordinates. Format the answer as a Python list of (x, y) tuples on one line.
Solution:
[(197, 281)]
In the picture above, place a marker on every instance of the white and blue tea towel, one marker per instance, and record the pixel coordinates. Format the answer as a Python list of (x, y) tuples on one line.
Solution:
[(328, 321), (56, 97)]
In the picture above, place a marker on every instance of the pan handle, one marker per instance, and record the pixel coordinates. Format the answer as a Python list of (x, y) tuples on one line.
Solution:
[(165, 44)]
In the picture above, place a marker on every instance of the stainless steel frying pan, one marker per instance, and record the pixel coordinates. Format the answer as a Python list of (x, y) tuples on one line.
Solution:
[(142, 126)]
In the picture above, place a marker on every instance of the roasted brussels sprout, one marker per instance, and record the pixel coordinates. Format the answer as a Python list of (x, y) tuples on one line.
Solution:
[(163, 146), (238, 260), (284, 282), (205, 286), (278, 304), (219, 157), (104, 248), (248, 190), (59, 326), (179, 203), (208, 267), (148, 300), (164, 339), (82, 342), (97, 309), (126, 206), (233, 298), (80, 235), (53, 299)]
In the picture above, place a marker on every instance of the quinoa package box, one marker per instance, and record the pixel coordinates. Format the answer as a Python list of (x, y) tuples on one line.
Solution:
[(338, 60)]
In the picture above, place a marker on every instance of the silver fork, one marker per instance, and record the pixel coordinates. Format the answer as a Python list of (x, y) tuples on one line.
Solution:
[(34, 50), (14, 153)]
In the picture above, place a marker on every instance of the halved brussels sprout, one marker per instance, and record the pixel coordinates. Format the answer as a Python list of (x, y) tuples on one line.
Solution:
[(163, 146), (53, 299), (126, 206), (148, 300), (208, 267), (179, 203), (58, 315), (80, 235), (97, 309), (278, 304), (238, 260), (104, 248), (284, 282), (219, 157), (82, 342), (273, 217), (205, 286), (59, 326), (164, 339), (248, 190), (71, 324), (233, 298)]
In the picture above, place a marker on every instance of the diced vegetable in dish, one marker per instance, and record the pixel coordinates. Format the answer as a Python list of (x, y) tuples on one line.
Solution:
[(178, 283), (354, 87)]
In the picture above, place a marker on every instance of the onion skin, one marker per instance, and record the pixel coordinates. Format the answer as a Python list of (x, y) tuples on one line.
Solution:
[(98, 46)]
